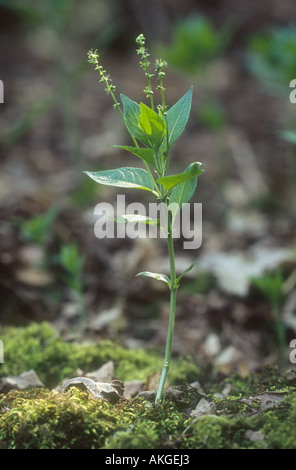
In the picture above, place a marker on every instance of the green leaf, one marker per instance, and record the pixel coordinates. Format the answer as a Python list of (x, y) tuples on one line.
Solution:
[(152, 125), (70, 259), (137, 218), (131, 113), (145, 154), (169, 182), (126, 177), (177, 116), (185, 272), (37, 228), (131, 110), (157, 276), (289, 136), (182, 193), (271, 286), (143, 123)]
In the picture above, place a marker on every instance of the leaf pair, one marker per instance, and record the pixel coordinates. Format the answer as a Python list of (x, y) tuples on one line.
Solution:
[(129, 177), (150, 128), (146, 126), (164, 278)]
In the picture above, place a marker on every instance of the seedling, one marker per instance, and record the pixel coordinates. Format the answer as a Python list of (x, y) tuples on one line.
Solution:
[(153, 130), (271, 58), (37, 228), (290, 137), (271, 286), (72, 262)]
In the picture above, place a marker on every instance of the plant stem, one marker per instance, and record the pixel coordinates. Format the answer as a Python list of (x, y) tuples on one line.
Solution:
[(280, 332), (173, 298)]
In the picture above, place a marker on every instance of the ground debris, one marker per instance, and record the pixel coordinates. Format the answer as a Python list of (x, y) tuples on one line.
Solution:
[(21, 382), (204, 407), (254, 436), (259, 403), (234, 270), (99, 390)]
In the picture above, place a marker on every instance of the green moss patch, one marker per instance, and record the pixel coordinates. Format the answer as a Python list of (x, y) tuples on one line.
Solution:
[(46, 420), (43, 418), (39, 347)]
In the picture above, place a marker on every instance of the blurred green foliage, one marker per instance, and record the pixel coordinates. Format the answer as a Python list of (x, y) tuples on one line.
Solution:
[(72, 261), (212, 116), (271, 58), (196, 41), (50, 12), (289, 136), (271, 286), (36, 229), (59, 18)]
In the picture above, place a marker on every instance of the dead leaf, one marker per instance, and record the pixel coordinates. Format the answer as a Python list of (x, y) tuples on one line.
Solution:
[(254, 436), (103, 374), (234, 270), (34, 277), (21, 382), (153, 381), (204, 407), (105, 318), (133, 387), (212, 345), (98, 390), (261, 402)]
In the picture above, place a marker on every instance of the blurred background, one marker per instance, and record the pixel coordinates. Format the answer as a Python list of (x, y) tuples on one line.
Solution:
[(237, 308)]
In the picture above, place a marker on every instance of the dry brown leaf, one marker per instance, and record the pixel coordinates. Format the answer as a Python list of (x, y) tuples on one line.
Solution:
[(21, 382)]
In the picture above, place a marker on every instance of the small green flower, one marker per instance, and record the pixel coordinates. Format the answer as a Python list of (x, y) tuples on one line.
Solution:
[(160, 64), (141, 40), (93, 56)]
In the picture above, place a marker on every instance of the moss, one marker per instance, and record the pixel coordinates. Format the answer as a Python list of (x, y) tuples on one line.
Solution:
[(46, 420), (152, 426), (278, 427), (41, 418), (211, 432), (143, 435), (269, 378), (39, 347)]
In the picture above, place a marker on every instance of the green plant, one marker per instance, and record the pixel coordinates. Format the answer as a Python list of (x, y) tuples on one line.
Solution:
[(196, 41), (271, 58), (36, 229), (195, 46), (290, 137), (156, 128), (72, 262), (271, 286)]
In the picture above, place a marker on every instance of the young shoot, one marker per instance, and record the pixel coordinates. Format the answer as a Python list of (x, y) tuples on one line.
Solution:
[(153, 130), (271, 286), (73, 263)]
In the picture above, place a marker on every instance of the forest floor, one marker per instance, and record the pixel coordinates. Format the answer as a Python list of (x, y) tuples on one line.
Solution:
[(231, 366)]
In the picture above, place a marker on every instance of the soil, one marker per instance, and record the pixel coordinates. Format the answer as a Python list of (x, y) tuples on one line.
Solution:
[(56, 122)]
